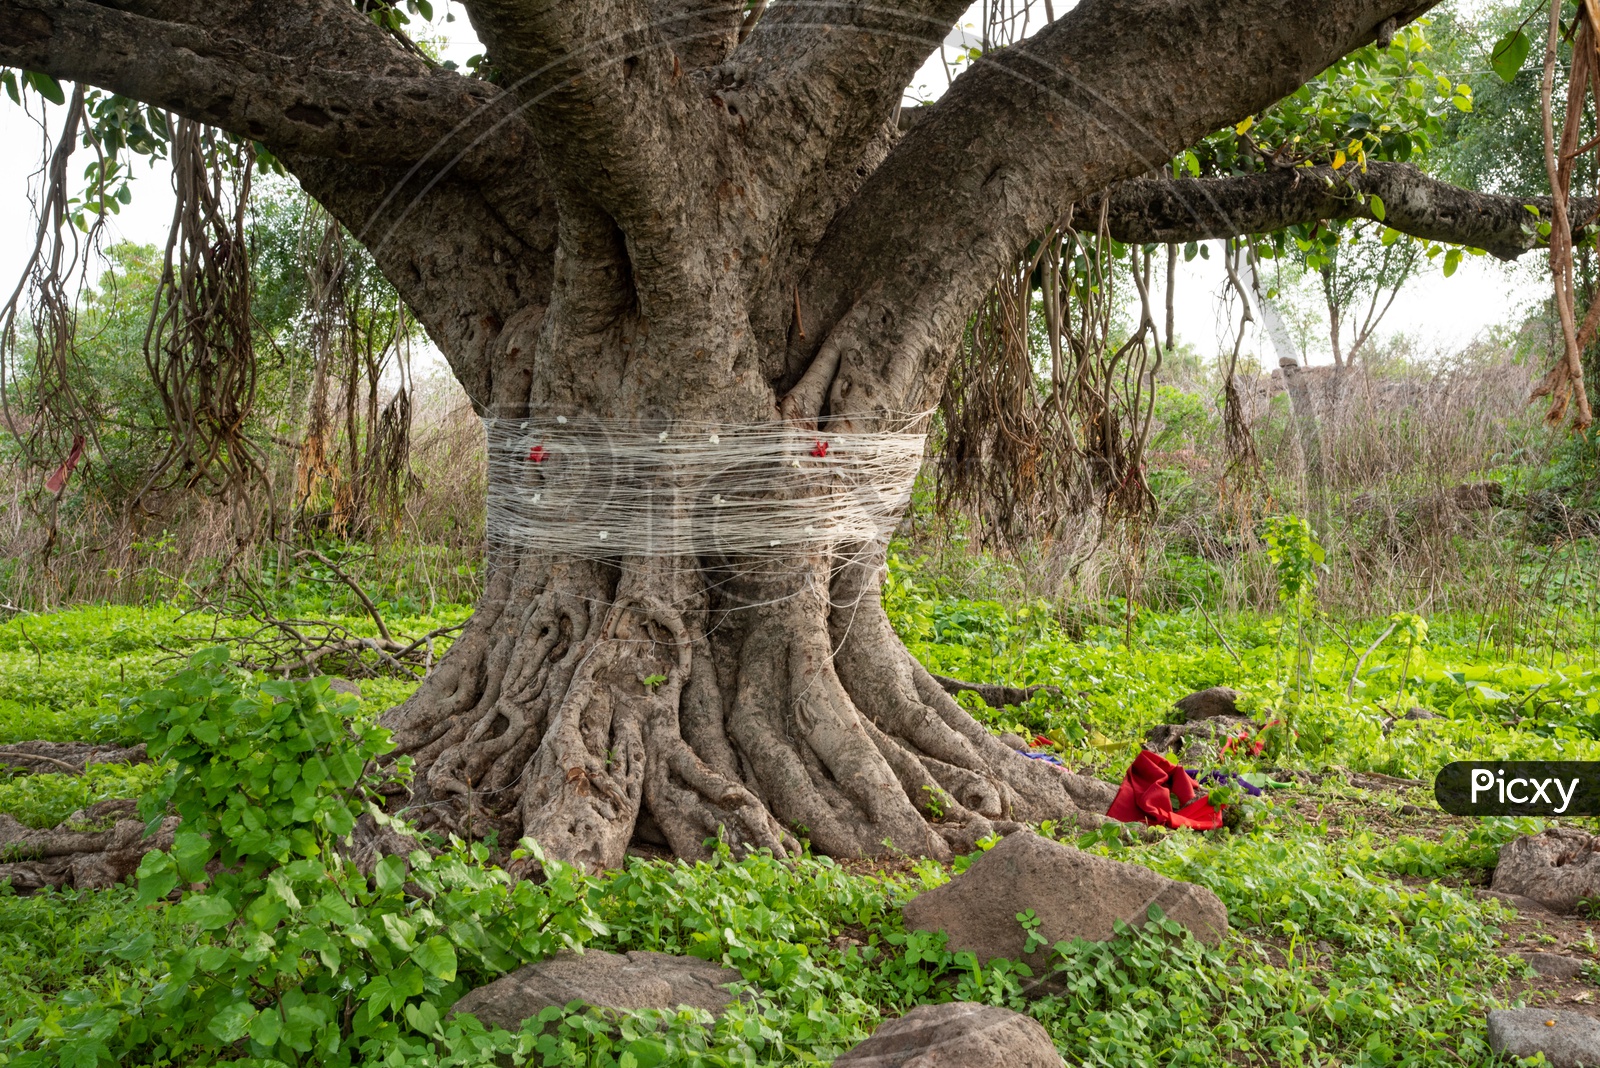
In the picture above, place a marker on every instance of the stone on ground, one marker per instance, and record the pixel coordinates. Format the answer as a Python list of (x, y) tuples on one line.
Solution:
[(1074, 894), (1557, 868), (635, 980), (1567, 1039), (1526, 907), (1554, 965), (959, 1034), (1209, 703)]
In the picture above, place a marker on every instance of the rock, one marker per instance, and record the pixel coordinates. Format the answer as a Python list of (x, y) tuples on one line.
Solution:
[(1198, 741), (1554, 965), (1206, 704), (1567, 1039), (1074, 894), (1556, 868), (338, 685), (1529, 908), (958, 1034), (633, 980), (1015, 741)]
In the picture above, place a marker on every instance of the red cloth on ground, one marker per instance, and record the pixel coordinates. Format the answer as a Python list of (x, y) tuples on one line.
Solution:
[(1148, 791)]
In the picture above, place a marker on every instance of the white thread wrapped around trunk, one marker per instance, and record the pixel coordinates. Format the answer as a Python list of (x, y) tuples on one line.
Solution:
[(582, 488)]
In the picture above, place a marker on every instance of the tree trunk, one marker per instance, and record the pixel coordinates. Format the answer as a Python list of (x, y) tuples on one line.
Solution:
[(670, 700)]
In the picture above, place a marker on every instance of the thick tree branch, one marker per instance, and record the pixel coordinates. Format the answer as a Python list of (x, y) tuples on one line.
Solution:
[(836, 69), (1107, 92), (372, 101), (607, 95), (398, 150), (702, 32), (1199, 209)]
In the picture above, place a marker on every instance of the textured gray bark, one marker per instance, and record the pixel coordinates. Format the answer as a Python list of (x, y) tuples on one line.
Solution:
[(665, 214), (1199, 209)]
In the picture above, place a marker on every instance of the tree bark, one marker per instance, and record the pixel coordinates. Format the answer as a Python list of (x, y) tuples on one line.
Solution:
[(659, 215), (1200, 209)]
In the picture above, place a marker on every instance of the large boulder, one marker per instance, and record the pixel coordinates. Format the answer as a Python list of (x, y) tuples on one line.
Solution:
[(1074, 895), (1557, 868), (1208, 703), (959, 1034), (1567, 1039), (621, 981)]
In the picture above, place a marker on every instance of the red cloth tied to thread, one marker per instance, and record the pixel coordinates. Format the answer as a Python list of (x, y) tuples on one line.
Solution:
[(1149, 789)]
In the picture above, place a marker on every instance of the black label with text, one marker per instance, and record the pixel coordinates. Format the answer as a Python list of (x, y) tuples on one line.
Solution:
[(1519, 788)]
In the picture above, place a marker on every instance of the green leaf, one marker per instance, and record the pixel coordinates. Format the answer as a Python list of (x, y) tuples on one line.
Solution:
[(1508, 54), (191, 852), (390, 873), (1390, 235), (1452, 260), (437, 957), (378, 994), (230, 1022), (402, 932), (344, 767), (157, 876), (208, 911), (47, 86), (331, 908), (266, 1028), (136, 949), (423, 1017), (301, 1024), (1375, 202)]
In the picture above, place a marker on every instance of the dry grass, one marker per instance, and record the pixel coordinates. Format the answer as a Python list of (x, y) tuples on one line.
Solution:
[(1429, 499), (104, 551)]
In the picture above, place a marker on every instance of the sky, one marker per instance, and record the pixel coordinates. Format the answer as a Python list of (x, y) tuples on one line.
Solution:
[(1437, 314)]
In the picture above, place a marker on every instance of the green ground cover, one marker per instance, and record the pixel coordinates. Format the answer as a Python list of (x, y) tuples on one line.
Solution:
[(1357, 940)]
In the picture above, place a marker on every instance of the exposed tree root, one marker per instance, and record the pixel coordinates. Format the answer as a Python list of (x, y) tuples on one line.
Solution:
[(594, 708), (993, 694), (67, 758), (94, 848), (590, 707)]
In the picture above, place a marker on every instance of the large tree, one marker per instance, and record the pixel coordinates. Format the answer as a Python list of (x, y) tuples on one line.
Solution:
[(665, 212)]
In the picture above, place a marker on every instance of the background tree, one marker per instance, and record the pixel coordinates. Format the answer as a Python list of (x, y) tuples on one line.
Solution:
[(674, 214)]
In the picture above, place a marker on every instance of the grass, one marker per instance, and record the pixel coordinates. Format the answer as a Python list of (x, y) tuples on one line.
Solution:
[(62, 674), (1357, 939)]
